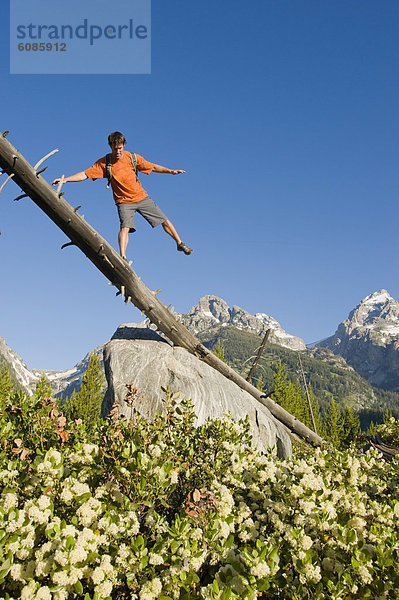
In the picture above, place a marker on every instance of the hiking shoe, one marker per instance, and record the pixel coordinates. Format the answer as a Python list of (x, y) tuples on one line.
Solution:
[(182, 247)]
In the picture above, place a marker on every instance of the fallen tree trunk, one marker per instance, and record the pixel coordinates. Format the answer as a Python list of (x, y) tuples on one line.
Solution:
[(122, 276)]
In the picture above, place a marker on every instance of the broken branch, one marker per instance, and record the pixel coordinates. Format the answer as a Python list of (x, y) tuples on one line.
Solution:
[(44, 157), (6, 181)]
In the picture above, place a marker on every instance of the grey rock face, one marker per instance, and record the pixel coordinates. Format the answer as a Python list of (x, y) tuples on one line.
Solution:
[(211, 312), (153, 363), (369, 340)]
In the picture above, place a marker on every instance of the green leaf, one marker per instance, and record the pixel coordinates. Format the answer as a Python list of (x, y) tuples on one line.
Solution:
[(5, 567), (215, 587), (70, 543), (78, 588), (174, 546), (12, 539), (352, 537), (226, 594)]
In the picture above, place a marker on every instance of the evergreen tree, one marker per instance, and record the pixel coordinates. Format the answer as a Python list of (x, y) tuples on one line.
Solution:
[(280, 381), (86, 404), (43, 388), (5, 381), (260, 384), (350, 426), (218, 351), (287, 394), (332, 424), (387, 416), (316, 411), (300, 408)]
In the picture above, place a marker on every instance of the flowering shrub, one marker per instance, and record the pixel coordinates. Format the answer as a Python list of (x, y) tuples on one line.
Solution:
[(388, 430), (164, 510)]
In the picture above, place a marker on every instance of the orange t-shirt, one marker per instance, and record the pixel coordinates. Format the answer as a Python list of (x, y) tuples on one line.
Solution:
[(124, 183)]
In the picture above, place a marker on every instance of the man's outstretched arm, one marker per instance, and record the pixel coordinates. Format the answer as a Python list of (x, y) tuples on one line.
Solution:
[(77, 177), (160, 169)]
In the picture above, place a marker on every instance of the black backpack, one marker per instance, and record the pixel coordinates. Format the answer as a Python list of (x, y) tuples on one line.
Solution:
[(108, 166)]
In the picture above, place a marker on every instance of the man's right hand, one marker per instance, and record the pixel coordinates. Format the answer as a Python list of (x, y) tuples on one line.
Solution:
[(77, 177)]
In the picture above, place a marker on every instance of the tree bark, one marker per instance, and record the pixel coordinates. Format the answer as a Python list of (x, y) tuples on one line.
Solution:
[(122, 276)]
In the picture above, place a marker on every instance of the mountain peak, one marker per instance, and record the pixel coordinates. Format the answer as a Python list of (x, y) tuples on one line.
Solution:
[(369, 339), (378, 311), (379, 297), (212, 311)]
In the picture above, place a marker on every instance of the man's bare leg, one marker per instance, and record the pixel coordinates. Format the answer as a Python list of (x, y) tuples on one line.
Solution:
[(169, 228), (123, 238)]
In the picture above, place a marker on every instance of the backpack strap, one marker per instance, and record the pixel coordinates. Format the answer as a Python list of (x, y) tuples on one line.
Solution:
[(108, 169), (134, 163)]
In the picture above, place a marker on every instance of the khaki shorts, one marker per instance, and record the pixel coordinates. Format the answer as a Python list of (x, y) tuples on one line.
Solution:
[(147, 209)]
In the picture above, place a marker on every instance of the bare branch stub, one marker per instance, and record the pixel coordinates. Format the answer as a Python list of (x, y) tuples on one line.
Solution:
[(44, 158), (67, 244), (41, 171), (60, 185), (20, 197), (106, 259), (6, 181), (77, 208)]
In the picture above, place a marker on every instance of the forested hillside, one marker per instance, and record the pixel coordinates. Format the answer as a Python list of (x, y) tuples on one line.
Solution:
[(329, 375)]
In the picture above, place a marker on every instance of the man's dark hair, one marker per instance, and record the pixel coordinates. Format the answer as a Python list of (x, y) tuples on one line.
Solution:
[(116, 138)]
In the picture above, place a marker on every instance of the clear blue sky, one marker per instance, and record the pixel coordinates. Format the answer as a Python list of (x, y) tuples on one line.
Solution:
[(284, 113)]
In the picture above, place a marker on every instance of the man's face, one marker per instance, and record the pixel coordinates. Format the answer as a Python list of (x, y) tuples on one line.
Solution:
[(117, 151)]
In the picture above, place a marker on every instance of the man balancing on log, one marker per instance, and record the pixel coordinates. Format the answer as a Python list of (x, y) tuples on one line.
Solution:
[(120, 168)]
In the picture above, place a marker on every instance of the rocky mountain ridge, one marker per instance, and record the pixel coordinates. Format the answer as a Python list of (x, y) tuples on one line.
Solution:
[(62, 382), (369, 340), (212, 311)]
